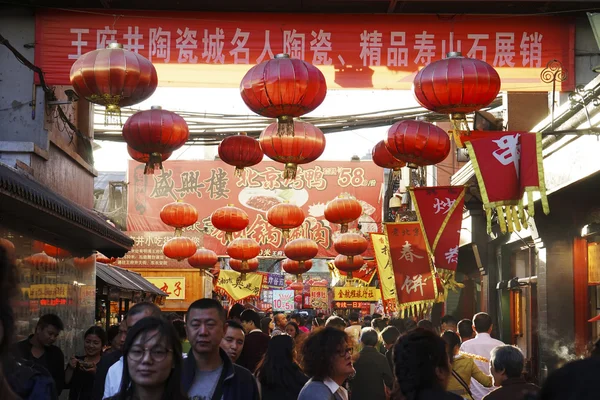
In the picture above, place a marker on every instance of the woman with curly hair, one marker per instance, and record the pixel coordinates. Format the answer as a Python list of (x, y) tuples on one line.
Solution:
[(421, 367), (327, 360)]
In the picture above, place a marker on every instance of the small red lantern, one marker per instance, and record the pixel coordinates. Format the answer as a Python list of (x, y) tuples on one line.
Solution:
[(243, 249), (298, 299), (155, 132), (240, 151), (179, 215), (348, 265), (113, 77), (56, 252), (244, 266), (419, 143), (285, 216), (179, 248), (42, 260), (343, 210), (295, 268), (384, 159), (306, 145), (203, 259), (297, 286), (145, 158), (301, 250), (350, 244), (229, 219), (283, 88)]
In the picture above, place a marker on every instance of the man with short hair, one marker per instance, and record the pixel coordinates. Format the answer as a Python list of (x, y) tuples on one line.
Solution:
[(426, 324), (506, 365), (482, 346), (465, 330), (373, 373), (448, 323), (256, 341), (39, 348), (233, 341), (107, 361), (208, 373), (354, 329), (280, 322), (112, 384), (389, 336), (297, 318), (335, 322)]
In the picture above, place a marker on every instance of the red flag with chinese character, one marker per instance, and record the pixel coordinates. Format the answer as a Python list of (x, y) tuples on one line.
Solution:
[(415, 287), (440, 210), (508, 165), (365, 273)]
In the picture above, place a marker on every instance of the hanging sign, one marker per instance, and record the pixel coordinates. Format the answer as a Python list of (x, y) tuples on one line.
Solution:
[(231, 284), (283, 300), (346, 293), (173, 287), (387, 281)]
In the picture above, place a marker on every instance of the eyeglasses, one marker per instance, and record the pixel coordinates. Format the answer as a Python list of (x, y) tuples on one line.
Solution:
[(156, 353), (347, 351)]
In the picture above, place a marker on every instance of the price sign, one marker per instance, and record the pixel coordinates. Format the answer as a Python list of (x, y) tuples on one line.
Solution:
[(283, 300)]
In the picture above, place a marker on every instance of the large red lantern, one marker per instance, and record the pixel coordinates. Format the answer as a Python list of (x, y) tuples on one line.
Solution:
[(301, 250), (179, 248), (155, 132), (243, 249), (113, 77), (418, 143), (295, 268), (343, 210), (307, 144), (285, 216), (238, 266), (350, 244), (283, 88), (144, 158), (240, 151), (179, 215), (203, 259), (229, 219), (384, 159), (347, 265)]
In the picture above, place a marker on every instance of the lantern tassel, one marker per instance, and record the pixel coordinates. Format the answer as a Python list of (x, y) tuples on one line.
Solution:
[(239, 172), (285, 126), (154, 163), (299, 278), (289, 171), (350, 259), (349, 275), (344, 228)]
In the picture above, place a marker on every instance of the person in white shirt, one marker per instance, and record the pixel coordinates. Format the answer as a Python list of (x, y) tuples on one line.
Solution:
[(481, 347), (354, 329)]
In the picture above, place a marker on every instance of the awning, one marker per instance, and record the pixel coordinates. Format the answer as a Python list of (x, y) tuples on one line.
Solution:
[(126, 280), (29, 207)]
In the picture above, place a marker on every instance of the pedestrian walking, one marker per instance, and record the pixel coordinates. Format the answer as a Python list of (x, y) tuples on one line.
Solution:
[(233, 341), (373, 379), (506, 364), (256, 341)]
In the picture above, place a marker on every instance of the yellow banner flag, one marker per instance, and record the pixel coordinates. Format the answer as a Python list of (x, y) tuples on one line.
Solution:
[(231, 284), (385, 270)]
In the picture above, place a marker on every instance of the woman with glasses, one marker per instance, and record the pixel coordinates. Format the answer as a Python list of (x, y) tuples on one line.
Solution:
[(152, 361), (327, 360)]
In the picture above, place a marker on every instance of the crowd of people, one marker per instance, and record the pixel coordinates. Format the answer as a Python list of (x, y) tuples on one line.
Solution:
[(213, 354)]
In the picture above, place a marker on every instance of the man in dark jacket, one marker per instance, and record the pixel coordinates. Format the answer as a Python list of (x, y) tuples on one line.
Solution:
[(389, 336), (208, 373), (107, 361), (506, 366), (373, 374), (40, 349), (256, 343)]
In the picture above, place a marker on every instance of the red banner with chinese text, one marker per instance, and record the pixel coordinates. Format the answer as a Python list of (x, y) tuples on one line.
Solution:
[(208, 185), (353, 51), (365, 274), (440, 210)]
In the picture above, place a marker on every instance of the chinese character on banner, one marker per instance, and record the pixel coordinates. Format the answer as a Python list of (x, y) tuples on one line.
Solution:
[(240, 53), (531, 49), (79, 43), (266, 51), (174, 287), (186, 43), (293, 44), (397, 55), (408, 252), (416, 291), (505, 49), (321, 46), (133, 37), (160, 44), (478, 50), (425, 47), (370, 44), (213, 46), (105, 36)]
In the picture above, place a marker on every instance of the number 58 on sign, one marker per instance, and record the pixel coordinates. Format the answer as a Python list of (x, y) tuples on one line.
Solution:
[(283, 300)]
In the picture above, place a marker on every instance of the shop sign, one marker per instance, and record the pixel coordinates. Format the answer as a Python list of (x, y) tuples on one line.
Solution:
[(351, 304), (147, 250), (283, 300), (173, 287), (272, 280), (318, 297), (48, 291), (356, 294)]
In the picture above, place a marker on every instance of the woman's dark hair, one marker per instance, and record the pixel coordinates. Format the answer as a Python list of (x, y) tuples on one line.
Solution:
[(96, 330), (295, 325), (167, 332), (319, 351), (577, 380), (8, 289), (179, 326), (417, 354), (277, 367), (452, 340), (264, 325), (235, 311), (112, 333)]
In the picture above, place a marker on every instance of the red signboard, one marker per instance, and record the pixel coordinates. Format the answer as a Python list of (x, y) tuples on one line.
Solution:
[(208, 185), (353, 51)]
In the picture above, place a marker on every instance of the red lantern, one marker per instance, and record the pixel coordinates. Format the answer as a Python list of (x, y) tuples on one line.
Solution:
[(347, 264), (285, 216), (297, 286), (229, 219), (179, 215), (56, 252), (350, 244), (113, 77), (240, 151), (384, 159), (307, 144), (321, 283), (295, 268), (42, 260), (243, 249), (203, 259), (343, 210), (179, 248), (9, 248), (298, 298), (101, 258), (301, 250), (145, 158), (237, 265), (418, 143), (155, 132), (283, 88)]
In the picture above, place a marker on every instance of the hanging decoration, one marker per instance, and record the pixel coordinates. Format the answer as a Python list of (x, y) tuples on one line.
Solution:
[(350, 244), (456, 85), (285, 216), (364, 275), (243, 249), (306, 145), (238, 288), (240, 151), (229, 219), (114, 78), (509, 165), (384, 159), (283, 88), (251, 265), (155, 132), (385, 272), (145, 158), (203, 259), (179, 215), (343, 210), (348, 265), (295, 268), (179, 248), (301, 250), (418, 143)]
